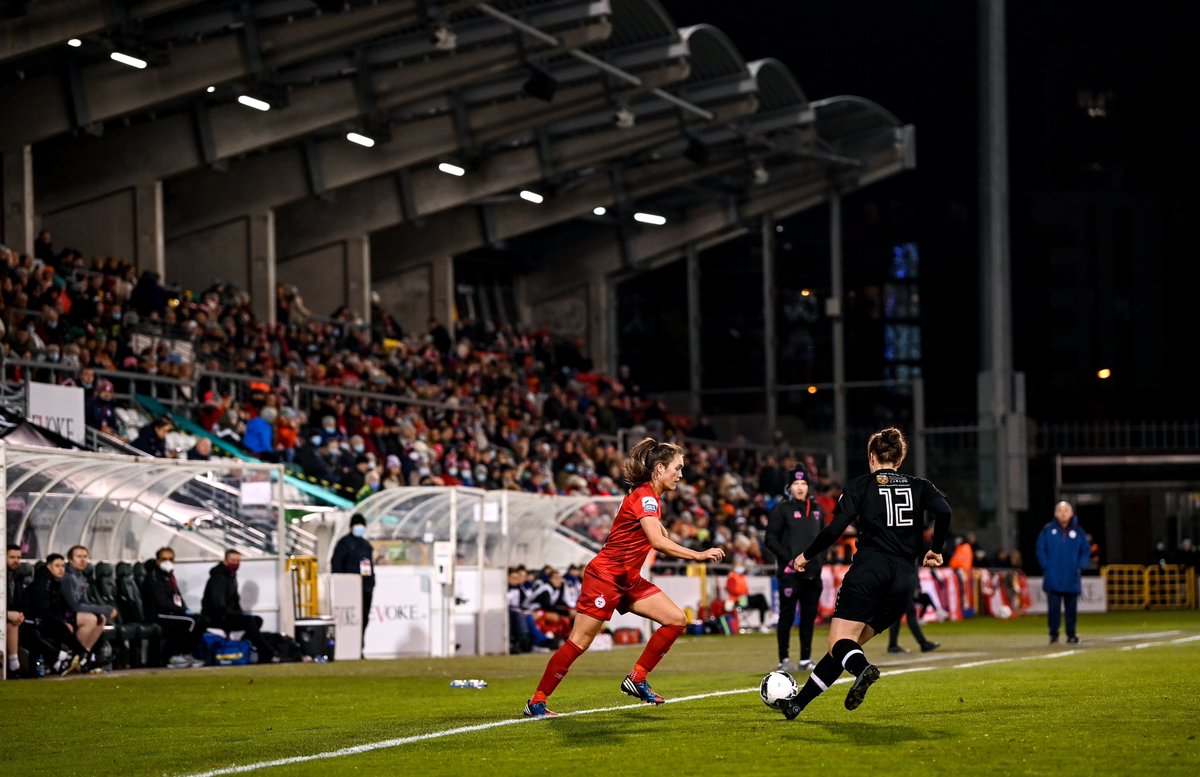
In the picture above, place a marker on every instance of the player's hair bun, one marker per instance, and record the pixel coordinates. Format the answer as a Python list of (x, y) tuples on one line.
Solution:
[(888, 445)]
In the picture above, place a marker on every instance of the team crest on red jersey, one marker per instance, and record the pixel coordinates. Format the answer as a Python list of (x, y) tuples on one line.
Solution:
[(600, 602)]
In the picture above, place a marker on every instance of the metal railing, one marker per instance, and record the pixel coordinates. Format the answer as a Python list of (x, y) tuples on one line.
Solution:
[(172, 392), (1123, 436), (1135, 587), (312, 389)]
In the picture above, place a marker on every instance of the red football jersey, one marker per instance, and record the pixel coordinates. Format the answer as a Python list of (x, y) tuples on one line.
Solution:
[(626, 548)]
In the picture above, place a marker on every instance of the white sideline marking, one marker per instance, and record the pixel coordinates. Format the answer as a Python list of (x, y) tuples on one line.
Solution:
[(400, 741), (1150, 635), (1144, 645)]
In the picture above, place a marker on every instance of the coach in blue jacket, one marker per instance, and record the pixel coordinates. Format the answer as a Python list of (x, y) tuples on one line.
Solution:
[(1063, 551)]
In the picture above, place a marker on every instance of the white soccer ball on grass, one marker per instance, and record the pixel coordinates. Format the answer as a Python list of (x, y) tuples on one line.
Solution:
[(777, 689)]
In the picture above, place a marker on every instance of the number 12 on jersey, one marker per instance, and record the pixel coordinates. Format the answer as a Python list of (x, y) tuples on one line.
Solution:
[(899, 505)]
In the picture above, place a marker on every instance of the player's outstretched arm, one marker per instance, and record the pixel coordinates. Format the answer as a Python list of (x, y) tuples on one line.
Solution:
[(657, 534), (824, 538)]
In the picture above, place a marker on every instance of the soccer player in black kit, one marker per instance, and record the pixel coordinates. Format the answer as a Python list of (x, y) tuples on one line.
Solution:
[(888, 509)]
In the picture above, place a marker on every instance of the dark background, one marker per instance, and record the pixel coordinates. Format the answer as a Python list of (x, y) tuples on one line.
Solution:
[(1104, 163)]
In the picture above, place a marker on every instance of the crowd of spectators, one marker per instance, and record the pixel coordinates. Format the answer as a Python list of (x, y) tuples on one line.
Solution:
[(474, 404)]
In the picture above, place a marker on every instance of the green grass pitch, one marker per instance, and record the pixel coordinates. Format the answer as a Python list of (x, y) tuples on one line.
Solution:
[(991, 701)]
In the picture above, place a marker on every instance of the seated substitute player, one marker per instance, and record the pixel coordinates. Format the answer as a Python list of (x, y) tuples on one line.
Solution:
[(887, 507), (612, 581)]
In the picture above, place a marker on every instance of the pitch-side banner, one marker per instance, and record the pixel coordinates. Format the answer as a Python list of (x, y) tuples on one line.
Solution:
[(1094, 597), (58, 408), (400, 622)]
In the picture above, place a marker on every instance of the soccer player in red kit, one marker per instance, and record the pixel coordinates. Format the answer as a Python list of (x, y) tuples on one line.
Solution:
[(613, 580)]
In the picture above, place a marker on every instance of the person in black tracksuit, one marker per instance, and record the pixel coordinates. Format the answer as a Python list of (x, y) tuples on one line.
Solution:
[(164, 605), (888, 507), (793, 524), (221, 607), (353, 555)]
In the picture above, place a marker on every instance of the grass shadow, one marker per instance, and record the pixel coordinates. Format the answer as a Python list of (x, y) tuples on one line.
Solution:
[(598, 728), (861, 733)]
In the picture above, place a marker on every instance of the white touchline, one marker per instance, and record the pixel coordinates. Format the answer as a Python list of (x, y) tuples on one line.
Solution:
[(1144, 645), (1149, 635), (389, 743)]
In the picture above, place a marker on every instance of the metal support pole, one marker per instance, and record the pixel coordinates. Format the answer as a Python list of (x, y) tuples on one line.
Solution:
[(287, 612), (834, 310), (770, 379), (505, 550), (448, 590), (693, 318), (995, 401), (920, 456), (480, 539)]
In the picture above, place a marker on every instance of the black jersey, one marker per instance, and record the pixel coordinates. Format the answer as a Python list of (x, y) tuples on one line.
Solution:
[(888, 509)]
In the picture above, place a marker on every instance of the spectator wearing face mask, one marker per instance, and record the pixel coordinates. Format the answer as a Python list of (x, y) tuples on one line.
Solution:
[(101, 410), (353, 555), (222, 605), (164, 605)]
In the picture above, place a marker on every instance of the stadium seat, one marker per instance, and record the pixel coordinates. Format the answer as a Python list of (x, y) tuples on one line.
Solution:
[(129, 602), (124, 636)]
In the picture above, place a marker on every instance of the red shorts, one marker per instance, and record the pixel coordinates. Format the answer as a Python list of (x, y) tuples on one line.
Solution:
[(599, 595)]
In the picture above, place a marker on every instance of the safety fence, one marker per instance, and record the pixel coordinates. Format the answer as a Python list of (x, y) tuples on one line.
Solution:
[(1158, 587), (303, 571)]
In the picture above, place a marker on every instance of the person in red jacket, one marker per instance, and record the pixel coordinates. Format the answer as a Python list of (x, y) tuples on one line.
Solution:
[(613, 580)]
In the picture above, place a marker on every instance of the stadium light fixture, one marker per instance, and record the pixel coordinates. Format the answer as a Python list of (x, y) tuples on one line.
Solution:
[(812, 389), (125, 59), (533, 197), (806, 292), (211, 89), (450, 169), (600, 211), (361, 140), (650, 218), (254, 102), (1104, 374), (74, 43)]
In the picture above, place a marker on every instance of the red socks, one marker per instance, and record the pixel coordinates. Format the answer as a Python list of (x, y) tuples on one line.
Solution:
[(556, 669), (655, 650)]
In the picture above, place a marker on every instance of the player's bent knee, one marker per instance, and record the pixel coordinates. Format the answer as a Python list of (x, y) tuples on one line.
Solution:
[(677, 619)]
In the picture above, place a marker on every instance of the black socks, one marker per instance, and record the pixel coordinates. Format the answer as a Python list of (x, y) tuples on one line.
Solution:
[(850, 655)]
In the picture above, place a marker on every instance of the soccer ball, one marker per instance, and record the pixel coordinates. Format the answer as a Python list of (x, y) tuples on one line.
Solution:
[(778, 688)]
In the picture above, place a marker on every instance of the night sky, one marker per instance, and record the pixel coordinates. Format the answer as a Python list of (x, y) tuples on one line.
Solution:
[(1103, 208)]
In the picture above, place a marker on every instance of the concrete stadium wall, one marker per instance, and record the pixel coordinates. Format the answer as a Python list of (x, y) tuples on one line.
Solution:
[(221, 252), (320, 276), (105, 226)]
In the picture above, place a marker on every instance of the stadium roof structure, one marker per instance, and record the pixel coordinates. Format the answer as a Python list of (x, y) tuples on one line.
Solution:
[(125, 507), (140, 138), (495, 528)]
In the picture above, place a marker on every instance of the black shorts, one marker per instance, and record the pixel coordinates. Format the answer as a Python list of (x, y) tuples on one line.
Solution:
[(877, 590)]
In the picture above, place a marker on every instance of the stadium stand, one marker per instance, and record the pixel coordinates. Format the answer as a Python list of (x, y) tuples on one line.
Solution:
[(606, 108)]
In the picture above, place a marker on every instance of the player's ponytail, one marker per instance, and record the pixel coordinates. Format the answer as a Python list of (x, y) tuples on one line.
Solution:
[(644, 456), (888, 445)]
